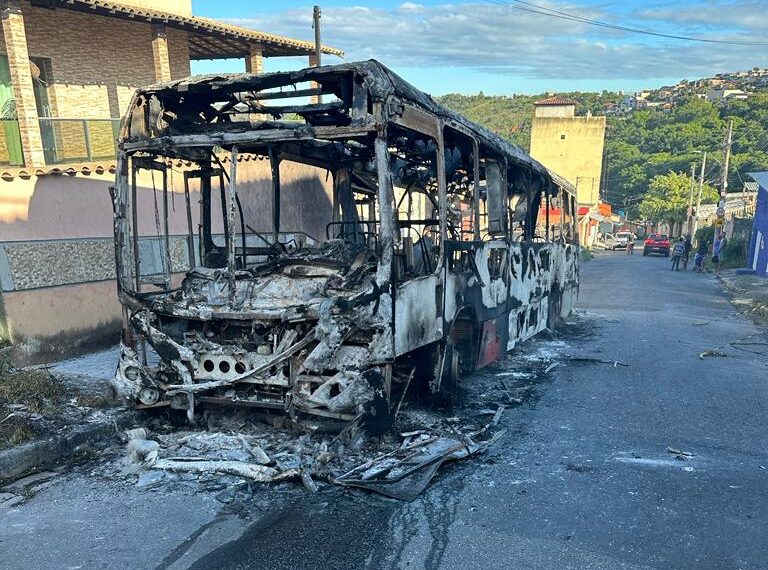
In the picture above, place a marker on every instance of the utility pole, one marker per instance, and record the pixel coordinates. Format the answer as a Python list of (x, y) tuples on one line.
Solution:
[(316, 15), (720, 221), (701, 189), (726, 162), (689, 221)]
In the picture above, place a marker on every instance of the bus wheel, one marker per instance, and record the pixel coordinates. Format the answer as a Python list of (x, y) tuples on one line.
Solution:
[(459, 356), (554, 319), (449, 390)]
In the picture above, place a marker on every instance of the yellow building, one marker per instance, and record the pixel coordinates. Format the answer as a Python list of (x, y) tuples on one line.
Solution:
[(571, 146)]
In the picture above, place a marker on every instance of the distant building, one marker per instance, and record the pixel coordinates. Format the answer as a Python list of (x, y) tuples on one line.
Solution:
[(722, 94), (757, 256), (571, 146)]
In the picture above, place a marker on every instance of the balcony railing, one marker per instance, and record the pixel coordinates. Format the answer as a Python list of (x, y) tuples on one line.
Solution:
[(11, 151), (77, 140)]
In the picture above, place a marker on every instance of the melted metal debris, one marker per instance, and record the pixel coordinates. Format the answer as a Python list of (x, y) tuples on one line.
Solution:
[(403, 470)]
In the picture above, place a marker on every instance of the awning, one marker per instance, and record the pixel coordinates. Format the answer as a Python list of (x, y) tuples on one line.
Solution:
[(208, 39)]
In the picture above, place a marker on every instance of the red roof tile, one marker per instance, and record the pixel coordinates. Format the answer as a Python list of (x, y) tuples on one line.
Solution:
[(556, 100)]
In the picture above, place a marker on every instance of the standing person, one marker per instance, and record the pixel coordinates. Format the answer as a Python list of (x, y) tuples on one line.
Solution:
[(630, 245), (717, 248), (701, 253), (687, 252), (677, 253)]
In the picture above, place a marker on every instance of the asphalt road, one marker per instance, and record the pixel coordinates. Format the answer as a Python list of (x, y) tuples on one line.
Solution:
[(582, 479)]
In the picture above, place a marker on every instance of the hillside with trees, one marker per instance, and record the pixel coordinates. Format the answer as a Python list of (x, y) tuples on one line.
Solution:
[(646, 143)]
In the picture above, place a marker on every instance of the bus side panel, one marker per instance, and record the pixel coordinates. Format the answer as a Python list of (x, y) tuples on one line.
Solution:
[(418, 313), (529, 290), (493, 340)]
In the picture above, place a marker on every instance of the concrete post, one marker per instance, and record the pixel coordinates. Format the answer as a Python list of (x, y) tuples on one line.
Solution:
[(314, 100), (21, 76), (160, 53), (254, 63)]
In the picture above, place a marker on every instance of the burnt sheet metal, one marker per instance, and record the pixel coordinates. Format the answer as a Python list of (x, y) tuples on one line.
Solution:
[(406, 472), (270, 341), (380, 83)]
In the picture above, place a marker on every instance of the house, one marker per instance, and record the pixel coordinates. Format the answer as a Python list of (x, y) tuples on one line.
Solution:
[(68, 71), (757, 255), (715, 95)]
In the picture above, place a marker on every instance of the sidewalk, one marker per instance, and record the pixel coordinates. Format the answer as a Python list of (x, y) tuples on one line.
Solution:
[(747, 292)]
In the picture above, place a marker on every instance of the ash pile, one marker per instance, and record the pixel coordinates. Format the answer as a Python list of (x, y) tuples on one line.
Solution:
[(231, 456)]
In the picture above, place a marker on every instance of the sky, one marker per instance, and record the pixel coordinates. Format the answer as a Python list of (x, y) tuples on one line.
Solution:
[(498, 48)]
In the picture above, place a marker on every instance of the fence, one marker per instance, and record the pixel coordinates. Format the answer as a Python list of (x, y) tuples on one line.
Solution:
[(73, 140)]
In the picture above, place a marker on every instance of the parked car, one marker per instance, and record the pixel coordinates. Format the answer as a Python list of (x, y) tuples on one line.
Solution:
[(656, 243), (622, 238), (614, 242)]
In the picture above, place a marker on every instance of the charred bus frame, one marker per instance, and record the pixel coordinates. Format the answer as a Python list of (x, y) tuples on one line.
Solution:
[(434, 261)]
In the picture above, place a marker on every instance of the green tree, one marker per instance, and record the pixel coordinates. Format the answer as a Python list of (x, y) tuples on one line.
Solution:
[(668, 196)]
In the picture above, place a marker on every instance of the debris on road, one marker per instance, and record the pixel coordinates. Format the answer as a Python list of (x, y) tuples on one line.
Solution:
[(679, 454), (615, 363), (731, 315), (403, 474), (706, 353), (497, 415)]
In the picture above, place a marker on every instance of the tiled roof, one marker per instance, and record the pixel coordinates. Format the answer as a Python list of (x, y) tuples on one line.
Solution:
[(232, 41), (556, 100), (9, 174)]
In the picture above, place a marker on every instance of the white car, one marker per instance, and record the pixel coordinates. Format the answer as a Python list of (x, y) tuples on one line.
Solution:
[(614, 242), (623, 238)]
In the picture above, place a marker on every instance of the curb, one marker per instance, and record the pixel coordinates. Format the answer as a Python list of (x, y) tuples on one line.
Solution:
[(48, 453), (758, 308)]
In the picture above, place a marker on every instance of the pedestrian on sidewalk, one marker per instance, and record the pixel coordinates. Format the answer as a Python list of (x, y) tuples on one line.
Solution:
[(717, 249), (677, 253), (687, 252)]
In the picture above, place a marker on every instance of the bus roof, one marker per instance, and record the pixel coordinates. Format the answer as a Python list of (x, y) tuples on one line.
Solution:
[(381, 83)]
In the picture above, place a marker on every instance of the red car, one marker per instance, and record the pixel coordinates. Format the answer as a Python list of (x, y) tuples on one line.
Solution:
[(656, 243)]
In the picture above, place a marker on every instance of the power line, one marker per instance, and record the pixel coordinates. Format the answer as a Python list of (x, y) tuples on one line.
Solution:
[(551, 12)]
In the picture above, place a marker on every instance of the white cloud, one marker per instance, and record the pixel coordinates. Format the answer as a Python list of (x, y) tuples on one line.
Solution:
[(410, 7), (498, 39)]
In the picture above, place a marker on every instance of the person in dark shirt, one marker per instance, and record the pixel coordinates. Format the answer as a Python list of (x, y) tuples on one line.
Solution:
[(688, 245)]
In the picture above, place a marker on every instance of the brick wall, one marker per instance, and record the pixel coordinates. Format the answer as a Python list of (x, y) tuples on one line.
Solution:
[(97, 62)]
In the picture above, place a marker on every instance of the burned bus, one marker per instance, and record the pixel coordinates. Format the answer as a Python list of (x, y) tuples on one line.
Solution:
[(315, 244)]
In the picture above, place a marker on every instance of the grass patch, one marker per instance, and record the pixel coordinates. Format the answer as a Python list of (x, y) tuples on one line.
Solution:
[(36, 390), (15, 430)]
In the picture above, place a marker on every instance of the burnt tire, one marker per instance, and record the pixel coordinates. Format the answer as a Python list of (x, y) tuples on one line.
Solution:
[(450, 391), (554, 320)]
